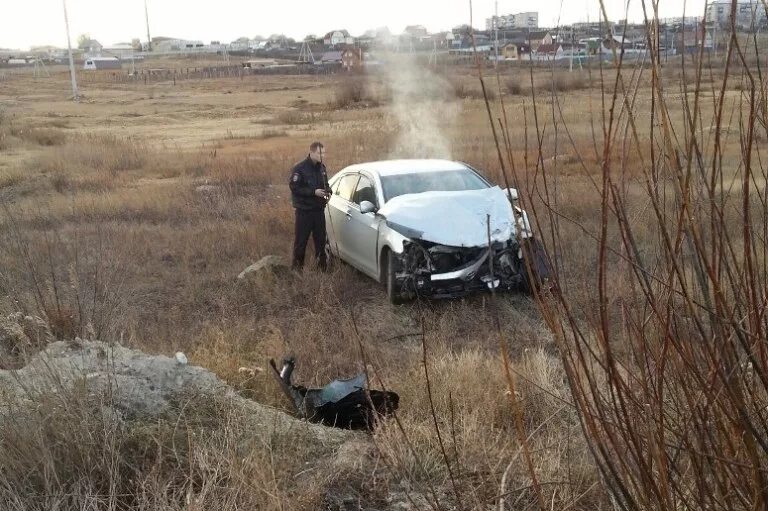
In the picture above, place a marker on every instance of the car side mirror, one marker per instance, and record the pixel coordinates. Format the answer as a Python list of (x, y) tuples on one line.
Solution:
[(367, 207), (511, 192)]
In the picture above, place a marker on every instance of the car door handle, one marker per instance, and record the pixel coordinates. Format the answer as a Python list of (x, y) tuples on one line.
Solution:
[(349, 215)]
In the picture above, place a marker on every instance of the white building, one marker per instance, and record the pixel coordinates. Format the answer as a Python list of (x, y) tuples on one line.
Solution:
[(239, 45), (749, 13), (519, 20), (593, 27), (338, 37), (256, 44), (120, 50), (687, 21), (170, 45), (93, 63)]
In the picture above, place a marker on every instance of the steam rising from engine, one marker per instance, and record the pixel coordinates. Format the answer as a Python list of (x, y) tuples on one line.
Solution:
[(423, 105)]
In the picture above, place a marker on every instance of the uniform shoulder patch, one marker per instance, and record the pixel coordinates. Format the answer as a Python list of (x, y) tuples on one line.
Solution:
[(295, 177)]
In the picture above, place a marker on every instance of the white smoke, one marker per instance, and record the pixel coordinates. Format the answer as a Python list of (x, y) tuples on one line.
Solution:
[(423, 105)]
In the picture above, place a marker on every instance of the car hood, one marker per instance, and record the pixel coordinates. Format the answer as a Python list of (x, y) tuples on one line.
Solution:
[(457, 219)]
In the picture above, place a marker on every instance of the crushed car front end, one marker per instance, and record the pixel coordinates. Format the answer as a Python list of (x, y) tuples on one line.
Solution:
[(451, 245), (438, 271)]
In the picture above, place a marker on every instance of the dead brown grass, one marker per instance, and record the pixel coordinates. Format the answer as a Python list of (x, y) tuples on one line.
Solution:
[(203, 453), (39, 136), (354, 93), (130, 198)]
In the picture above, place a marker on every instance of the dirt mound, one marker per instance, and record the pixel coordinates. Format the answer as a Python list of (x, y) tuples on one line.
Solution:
[(79, 409), (139, 384)]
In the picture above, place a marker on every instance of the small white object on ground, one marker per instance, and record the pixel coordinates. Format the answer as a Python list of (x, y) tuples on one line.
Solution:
[(270, 262)]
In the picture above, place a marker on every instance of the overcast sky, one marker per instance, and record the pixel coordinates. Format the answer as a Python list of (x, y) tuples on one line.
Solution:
[(25, 23)]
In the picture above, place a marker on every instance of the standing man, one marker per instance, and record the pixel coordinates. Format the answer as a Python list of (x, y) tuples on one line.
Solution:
[(309, 195)]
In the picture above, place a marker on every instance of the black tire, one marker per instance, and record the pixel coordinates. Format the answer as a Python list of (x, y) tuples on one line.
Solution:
[(389, 270), (539, 265)]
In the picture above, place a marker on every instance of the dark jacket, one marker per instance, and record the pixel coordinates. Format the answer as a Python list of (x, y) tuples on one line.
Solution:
[(306, 177)]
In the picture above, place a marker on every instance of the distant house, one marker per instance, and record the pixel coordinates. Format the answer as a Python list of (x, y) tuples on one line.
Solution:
[(481, 39), (239, 45), (416, 31), (91, 46), (573, 49), (690, 41), (512, 35), (537, 38), (515, 51), (94, 63), (553, 51), (439, 40), (533, 38), (330, 57), (120, 50), (338, 37), (618, 43), (47, 52), (352, 58), (170, 44)]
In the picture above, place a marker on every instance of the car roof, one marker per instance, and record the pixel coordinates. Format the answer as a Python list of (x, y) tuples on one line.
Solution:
[(393, 167)]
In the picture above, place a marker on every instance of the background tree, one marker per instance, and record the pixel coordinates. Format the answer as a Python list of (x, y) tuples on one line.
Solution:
[(83, 40)]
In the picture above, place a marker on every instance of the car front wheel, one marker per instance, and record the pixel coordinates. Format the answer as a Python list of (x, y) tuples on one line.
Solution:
[(390, 267)]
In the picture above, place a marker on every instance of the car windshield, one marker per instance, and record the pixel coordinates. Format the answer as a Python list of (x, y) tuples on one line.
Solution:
[(437, 181)]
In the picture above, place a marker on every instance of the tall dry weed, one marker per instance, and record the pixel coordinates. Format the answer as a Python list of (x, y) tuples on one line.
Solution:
[(662, 340)]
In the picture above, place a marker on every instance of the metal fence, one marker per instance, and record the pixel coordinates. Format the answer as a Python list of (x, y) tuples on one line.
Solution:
[(147, 76)]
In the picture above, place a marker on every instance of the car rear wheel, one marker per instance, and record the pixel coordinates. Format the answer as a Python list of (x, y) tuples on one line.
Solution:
[(389, 278)]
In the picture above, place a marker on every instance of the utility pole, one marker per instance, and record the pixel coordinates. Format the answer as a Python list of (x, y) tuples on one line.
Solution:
[(496, 32), (305, 54), (40, 69), (572, 40), (75, 94), (146, 17), (433, 56)]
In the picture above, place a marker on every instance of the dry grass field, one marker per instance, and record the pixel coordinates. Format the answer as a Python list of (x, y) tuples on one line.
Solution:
[(128, 215)]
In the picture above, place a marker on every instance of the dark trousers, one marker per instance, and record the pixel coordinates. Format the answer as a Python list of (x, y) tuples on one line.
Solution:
[(309, 222)]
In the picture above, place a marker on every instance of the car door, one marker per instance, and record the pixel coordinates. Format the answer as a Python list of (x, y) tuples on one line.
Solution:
[(363, 228), (336, 214)]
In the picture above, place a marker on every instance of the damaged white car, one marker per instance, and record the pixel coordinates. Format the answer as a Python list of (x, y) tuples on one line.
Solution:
[(421, 227)]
